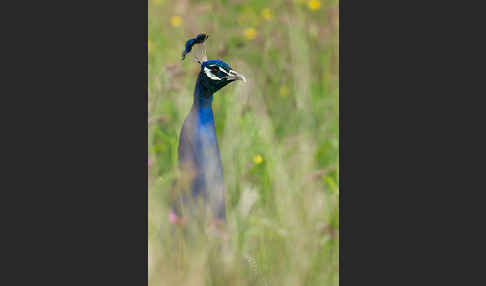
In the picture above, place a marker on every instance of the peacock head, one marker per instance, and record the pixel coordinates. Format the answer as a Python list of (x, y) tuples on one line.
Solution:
[(215, 74)]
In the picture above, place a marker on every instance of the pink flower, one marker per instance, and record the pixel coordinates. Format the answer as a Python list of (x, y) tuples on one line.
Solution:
[(149, 163), (172, 217)]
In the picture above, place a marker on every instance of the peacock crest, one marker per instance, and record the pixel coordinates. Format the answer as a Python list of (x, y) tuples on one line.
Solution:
[(200, 54)]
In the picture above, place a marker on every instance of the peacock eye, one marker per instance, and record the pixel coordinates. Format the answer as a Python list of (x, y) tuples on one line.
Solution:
[(212, 72)]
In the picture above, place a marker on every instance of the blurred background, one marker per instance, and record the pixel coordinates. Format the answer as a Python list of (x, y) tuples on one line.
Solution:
[(278, 136)]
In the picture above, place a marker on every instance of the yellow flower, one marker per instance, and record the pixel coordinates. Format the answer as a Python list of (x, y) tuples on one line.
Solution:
[(284, 91), (267, 14), (150, 46), (157, 2), (314, 5), (257, 159), (175, 21), (250, 33)]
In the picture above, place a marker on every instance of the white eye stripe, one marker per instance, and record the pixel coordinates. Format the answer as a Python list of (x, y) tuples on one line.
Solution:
[(223, 70), (210, 74)]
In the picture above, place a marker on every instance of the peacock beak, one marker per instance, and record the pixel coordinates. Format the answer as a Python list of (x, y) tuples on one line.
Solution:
[(233, 75)]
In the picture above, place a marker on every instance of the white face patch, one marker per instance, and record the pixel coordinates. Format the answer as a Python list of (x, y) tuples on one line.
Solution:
[(210, 74)]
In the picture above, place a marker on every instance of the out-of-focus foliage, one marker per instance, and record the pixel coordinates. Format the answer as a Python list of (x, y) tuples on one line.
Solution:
[(278, 136)]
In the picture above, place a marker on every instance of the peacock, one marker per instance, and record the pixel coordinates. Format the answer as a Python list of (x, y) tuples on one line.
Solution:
[(201, 182)]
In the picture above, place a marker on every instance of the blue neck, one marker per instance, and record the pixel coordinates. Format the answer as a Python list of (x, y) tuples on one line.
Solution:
[(210, 179), (203, 100)]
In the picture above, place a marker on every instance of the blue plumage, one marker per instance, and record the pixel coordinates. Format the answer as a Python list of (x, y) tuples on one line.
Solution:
[(198, 151)]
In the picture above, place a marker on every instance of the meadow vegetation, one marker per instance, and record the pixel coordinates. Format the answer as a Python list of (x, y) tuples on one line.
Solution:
[(278, 136)]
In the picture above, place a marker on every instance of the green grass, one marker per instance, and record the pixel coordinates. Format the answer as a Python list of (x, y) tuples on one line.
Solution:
[(283, 214)]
